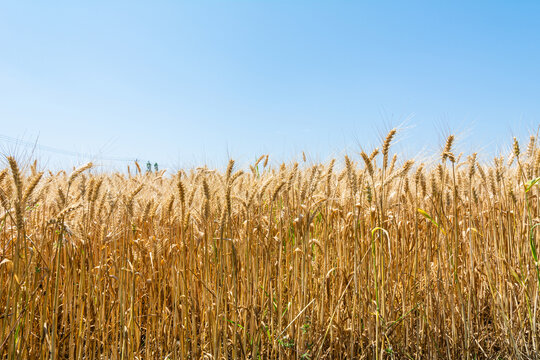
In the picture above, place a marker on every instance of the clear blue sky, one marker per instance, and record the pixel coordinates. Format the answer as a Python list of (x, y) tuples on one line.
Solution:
[(185, 83)]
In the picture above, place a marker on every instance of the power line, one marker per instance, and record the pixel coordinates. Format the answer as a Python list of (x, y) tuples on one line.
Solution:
[(12, 140)]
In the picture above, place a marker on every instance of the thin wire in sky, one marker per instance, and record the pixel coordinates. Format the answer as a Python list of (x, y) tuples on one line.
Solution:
[(19, 142)]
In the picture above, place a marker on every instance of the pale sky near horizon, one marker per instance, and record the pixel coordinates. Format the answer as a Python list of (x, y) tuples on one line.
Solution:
[(184, 83)]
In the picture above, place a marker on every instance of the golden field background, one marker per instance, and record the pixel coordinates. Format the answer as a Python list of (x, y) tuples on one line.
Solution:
[(369, 256)]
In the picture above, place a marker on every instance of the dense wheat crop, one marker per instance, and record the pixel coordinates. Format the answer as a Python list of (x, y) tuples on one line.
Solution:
[(369, 256)]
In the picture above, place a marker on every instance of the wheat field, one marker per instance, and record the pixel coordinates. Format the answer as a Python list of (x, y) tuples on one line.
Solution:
[(369, 256)]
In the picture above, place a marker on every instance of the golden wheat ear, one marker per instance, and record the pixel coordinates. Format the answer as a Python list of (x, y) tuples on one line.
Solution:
[(386, 147)]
